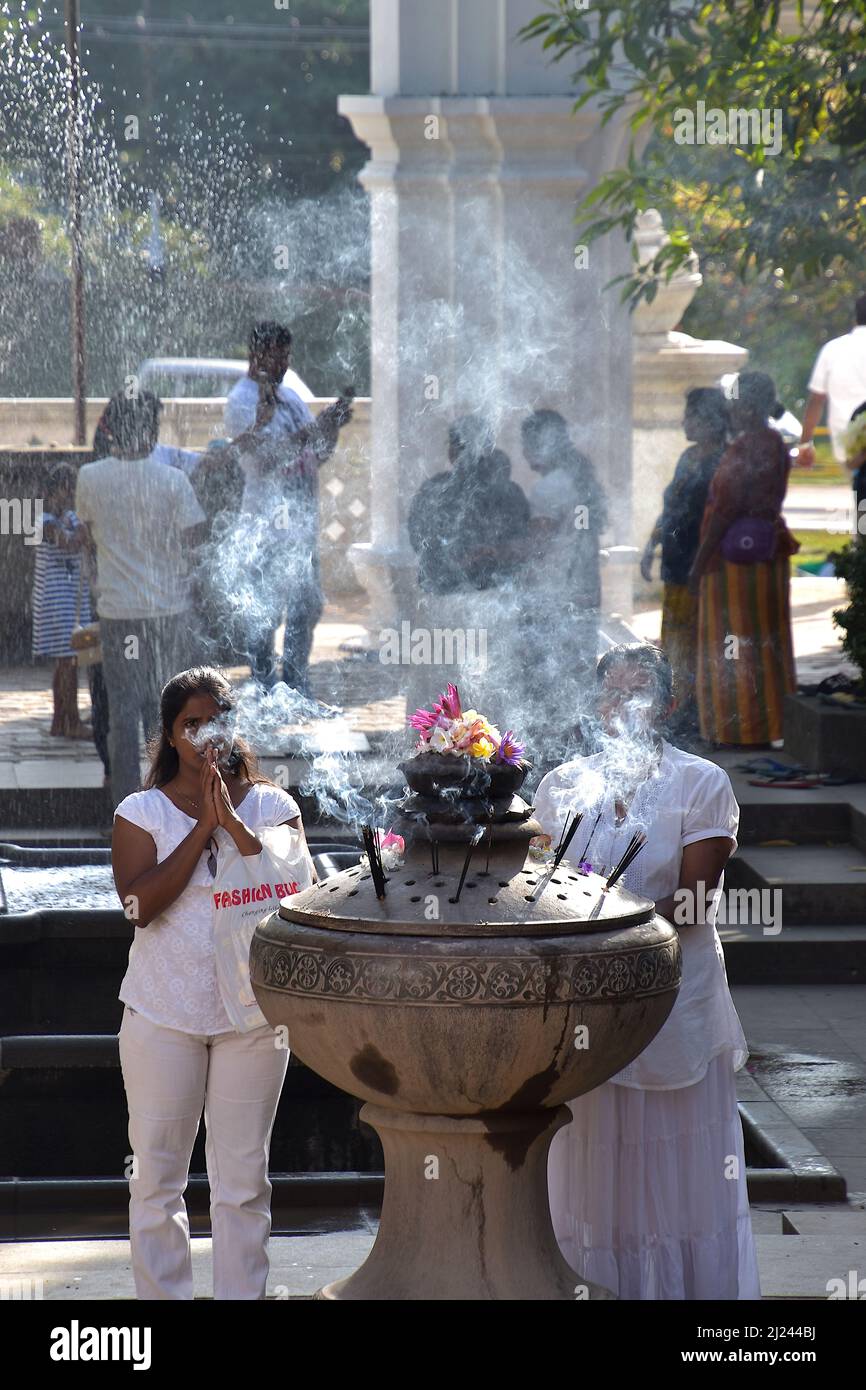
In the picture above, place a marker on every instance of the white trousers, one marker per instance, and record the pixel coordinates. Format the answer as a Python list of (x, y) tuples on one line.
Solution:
[(170, 1077)]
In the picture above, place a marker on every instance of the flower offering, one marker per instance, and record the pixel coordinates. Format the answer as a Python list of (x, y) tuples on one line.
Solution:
[(448, 728)]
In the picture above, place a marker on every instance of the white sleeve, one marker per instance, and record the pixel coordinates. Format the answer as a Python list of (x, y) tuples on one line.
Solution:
[(189, 512), (542, 807), (239, 414), (711, 809), (820, 379), (277, 806), (136, 808)]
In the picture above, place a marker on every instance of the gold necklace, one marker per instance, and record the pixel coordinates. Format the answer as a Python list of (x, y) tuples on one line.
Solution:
[(189, 799)]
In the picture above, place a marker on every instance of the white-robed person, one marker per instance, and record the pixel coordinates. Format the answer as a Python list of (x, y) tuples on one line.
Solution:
[(648, 1183)]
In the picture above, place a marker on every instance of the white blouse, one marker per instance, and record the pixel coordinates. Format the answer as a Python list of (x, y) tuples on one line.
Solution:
[(171, 977), (682, 799)]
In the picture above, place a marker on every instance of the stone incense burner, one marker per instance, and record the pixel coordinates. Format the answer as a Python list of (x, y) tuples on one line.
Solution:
[(461, 1024)]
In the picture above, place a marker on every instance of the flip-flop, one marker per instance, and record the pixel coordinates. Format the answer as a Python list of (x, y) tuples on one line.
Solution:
[(785, 784), (770, 764)]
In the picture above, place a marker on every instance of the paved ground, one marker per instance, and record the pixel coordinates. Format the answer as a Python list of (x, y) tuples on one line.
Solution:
[(819, 1032)]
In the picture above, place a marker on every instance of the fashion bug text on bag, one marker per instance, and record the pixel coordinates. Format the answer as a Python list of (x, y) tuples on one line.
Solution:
[(247, 888)]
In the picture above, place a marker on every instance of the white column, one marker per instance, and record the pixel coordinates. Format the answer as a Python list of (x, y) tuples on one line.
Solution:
[(477, 163)]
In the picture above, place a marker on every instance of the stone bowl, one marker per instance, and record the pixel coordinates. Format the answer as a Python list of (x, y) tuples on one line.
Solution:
[(428, 774), (499, 1018)]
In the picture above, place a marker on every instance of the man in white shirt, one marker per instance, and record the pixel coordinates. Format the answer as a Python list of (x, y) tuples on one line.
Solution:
[(143, 517), (838, 377), (280, 446)]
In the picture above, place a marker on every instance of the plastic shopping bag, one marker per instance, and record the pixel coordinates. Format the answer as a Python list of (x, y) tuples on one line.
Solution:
[(246, 889)]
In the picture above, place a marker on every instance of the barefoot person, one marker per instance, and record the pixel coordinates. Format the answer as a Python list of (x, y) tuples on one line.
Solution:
[(648, 1183), (178, 1051)]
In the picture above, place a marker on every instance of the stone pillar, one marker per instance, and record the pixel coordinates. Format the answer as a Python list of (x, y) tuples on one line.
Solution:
[(479, 301)]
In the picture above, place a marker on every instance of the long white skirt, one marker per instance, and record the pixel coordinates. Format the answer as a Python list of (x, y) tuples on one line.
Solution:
[(648, 1191)]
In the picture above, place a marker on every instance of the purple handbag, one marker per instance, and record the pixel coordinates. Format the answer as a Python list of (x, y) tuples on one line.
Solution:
[(749, 541)]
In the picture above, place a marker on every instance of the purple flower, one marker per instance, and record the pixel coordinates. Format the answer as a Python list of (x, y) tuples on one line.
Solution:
[(509, 750), (584, 867)]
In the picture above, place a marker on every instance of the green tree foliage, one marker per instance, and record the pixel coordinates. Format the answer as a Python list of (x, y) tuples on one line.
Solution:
[(850, 565), (800, 211)]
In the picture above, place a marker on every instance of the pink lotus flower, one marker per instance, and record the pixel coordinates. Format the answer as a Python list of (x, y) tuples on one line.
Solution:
[(425, 721), (449, 703), (445, 709)]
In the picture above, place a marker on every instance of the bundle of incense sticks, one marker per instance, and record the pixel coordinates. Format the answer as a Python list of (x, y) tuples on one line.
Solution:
[(374, 859), (589, 841), (565, 839), (634, 847)]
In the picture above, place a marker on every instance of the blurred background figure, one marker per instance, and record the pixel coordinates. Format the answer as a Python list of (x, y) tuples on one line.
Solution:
[(143, 519), (741, 574), (280, 445), (61, 595), (562, 577), (468, 526), (677, 531), (838, 381)]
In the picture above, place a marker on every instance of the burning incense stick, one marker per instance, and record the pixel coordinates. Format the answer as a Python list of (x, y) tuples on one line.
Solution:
[(489, 846), (374, 859), (589, 841), (466, 862), (562, 832), (566, 840), (634, 847)]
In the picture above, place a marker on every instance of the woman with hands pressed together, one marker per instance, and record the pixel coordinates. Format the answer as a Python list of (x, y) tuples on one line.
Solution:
[(179, 1052)]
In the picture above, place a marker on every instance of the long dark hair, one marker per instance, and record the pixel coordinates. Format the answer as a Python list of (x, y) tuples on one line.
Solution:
[(198, 680)]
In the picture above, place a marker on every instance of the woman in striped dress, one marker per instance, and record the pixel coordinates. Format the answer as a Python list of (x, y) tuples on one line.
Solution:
[(677, 531), (745, 647), (56, 578)]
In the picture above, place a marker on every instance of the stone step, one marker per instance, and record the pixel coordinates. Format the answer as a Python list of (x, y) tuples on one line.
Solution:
[(68, 1208), (812, 1266), (63, 1116), (817, 883), (797, 955), (843, 1221)]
